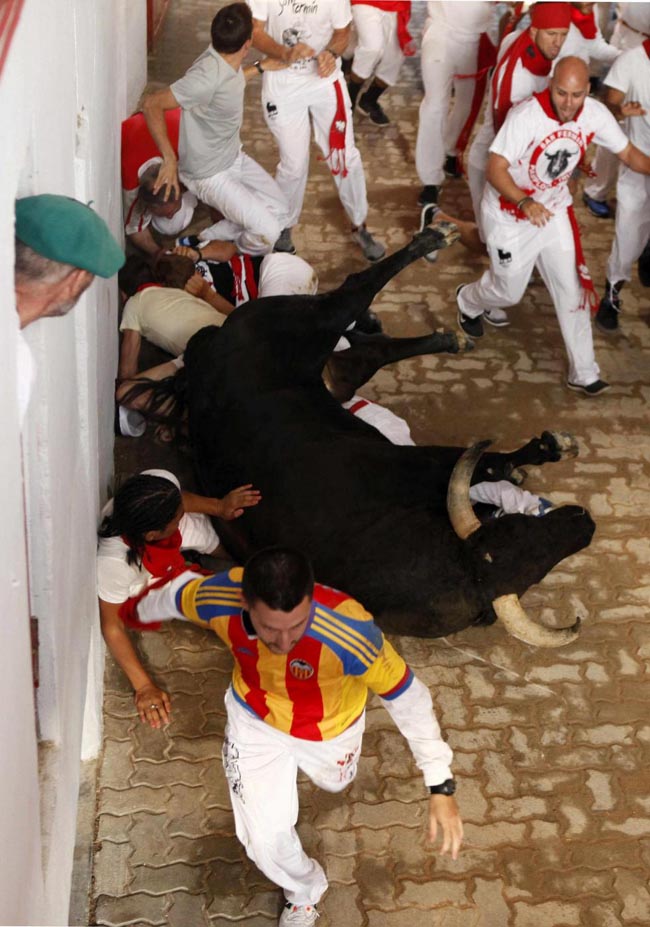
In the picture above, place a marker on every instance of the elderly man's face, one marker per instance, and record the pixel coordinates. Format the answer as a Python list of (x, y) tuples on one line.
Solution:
[(549, 41), (167, 210), (72, 287)]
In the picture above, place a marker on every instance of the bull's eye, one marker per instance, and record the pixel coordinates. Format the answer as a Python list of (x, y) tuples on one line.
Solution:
[(488, 557)]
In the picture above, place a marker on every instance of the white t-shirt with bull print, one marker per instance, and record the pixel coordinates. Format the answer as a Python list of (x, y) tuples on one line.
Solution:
[(543, 152)]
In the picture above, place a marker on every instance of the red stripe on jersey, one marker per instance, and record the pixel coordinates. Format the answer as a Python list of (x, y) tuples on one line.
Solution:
[(329, 597), (387, 695), (245, 651), (361, 404), (301, 681)]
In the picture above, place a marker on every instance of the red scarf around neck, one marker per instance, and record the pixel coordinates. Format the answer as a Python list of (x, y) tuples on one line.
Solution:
[(523, 49), (646, 46), (585, 22), (164, 560)]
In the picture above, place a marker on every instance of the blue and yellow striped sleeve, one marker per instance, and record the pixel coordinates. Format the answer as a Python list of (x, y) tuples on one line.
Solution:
[(207, 598)]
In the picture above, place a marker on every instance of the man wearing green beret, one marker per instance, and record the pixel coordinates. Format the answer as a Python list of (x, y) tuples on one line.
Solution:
[(61, 244)]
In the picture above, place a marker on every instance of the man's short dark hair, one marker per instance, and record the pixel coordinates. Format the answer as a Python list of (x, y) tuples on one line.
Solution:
[(147, 183), (173, 270), (231, 28), (278, 576), (135, 273)]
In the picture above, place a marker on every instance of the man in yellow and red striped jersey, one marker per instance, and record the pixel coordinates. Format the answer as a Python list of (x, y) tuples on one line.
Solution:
[(305, 656)]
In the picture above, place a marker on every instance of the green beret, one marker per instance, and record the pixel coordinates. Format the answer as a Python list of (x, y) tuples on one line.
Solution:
[(65, 230)]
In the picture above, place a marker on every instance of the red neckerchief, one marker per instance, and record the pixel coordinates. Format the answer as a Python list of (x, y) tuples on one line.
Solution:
[(164, 560), (585, 22), (523, 49), (590, 297), (646, 45), (486, 58), (336, 156), (146, 286), (403, 10), (243, 274)]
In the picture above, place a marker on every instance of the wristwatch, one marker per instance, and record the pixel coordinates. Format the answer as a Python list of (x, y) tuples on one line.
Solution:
[(258, 66), (448, 787)]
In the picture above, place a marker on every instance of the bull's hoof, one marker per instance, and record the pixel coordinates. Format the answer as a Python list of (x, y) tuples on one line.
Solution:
[(438, 236), (465, 343), (561, 444)]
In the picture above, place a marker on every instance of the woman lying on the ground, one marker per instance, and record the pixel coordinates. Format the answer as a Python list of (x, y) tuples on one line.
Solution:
[(145, 528)]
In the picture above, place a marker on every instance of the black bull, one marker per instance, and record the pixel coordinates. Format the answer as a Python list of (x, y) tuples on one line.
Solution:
[(372, 516)]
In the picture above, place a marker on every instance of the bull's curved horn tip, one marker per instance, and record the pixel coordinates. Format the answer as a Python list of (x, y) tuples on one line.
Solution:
[(511, 613)]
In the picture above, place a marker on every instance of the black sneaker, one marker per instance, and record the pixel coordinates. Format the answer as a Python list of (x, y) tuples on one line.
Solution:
[(284, 244), (471, 326), (610, 307), (373, 111), (428, 194), (592, 389), (452, 168)]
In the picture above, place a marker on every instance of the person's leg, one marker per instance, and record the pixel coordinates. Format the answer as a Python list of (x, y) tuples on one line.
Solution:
[(288, 122), (512, 249), (632, 224), (464, 57), (388, 424), (605, 165), (261, 768), (557, 265), (387, 70), (370, 41), (351, 187), (230, 193), (286, 275), (332, 764), (476, 168), (437, 78)]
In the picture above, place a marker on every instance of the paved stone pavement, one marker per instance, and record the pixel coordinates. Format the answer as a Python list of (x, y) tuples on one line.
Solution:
[(551, 747)]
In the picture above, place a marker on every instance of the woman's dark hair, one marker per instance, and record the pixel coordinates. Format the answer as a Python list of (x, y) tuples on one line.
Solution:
[(278, 576), (135, 273), (143, 503), (231, 27), (173, 270)]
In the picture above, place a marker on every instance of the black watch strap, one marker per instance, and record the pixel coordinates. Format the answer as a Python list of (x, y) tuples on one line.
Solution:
[(448, 787)]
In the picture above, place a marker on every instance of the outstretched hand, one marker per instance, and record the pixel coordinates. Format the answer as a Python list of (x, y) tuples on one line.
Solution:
[(168, 178), (632, 108), (443, 811), (233, 505)]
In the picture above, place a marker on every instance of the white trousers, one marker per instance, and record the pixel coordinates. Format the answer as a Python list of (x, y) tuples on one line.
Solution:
[(605, 165), (378, 50), (632, 223), (515, 248), (250, 200), (284, 274), (261, 765), (443, 55), (291, 108)]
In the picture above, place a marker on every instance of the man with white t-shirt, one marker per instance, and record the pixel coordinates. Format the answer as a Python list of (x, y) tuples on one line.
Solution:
[(311, 93), (527, 210), (628, 94)]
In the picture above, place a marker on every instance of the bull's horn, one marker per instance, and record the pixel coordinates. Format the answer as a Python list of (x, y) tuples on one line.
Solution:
[(461, 513), (511, 612)]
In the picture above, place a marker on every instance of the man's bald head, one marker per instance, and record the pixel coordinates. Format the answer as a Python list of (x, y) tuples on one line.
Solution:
[(569, 86)]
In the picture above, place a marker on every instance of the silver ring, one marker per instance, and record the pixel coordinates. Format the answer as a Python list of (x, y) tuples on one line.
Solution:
[(154, 706)]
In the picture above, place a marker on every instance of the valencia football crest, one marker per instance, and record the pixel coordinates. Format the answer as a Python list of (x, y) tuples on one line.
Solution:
[(300, 669)]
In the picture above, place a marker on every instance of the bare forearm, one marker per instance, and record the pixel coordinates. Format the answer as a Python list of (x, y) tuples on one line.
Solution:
[(217, 301), (123, 652), (145, 241), (264, 43), (154, 113), (500, 178), (129, 353), (636, 160)]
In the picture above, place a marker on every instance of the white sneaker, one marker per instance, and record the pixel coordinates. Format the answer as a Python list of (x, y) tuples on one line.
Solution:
[(295, 915), (130, 423), (496, 317)]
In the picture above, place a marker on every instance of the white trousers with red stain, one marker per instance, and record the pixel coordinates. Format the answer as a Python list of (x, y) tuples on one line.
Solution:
[(254, 207), (294, 104), (378, 50), (261, 766), (443, 55), (515, 248), (632, 223)]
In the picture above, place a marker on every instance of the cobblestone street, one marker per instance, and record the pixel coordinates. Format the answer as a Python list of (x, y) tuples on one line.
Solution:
[(551, 747)]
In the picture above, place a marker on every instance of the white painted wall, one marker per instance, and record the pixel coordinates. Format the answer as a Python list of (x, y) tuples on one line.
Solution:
[(74, 71)]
